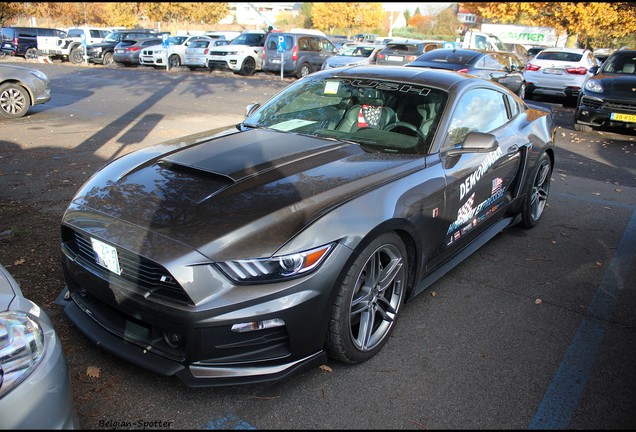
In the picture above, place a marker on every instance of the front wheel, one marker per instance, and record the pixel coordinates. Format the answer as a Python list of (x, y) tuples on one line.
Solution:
[(368, 301), (108, 59), (248, 67), (174, 61), (14, 101), (537, 196)]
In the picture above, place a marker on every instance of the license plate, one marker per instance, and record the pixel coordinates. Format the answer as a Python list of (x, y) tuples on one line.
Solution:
[(631, 118), (553, 71), (276, 61), (120, 51), (106, 256), (395, 58), (216, 57)]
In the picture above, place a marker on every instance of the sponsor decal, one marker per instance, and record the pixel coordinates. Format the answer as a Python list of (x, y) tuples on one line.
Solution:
[(470, 181)]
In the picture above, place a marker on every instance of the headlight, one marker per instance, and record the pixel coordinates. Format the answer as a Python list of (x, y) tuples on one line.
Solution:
[(161, 51), (594, 86), (39, 74), (263, 270), (21, 348), (232, 52)]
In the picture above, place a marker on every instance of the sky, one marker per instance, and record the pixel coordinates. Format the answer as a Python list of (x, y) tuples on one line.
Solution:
[(411, 6)]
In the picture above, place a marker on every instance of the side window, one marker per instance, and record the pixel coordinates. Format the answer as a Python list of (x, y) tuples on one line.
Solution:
[(94, 33), (271, 43), (328, 46), (468, 115), (491, 62), (27, 33), (315, 45), (303, 44), (46, 32)]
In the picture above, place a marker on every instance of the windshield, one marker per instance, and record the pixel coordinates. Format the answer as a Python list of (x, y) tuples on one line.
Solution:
[(356, 51), (382, 116), (250, 39), (177, 40), (623, 63), (113, 37)]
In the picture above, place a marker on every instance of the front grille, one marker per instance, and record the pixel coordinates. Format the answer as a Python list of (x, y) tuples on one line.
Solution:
[(592, 103), (137, 270), (620, 106)]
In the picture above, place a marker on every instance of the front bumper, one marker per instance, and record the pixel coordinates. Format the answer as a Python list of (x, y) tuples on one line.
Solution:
[(595, 111), (142, 328)]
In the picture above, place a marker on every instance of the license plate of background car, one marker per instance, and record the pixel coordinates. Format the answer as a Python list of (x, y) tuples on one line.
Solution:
[(552, 71), (631, 118), (395, 58), (120, 51), (106, 256)]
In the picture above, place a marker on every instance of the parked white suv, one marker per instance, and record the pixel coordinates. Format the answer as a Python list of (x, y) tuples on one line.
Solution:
[(70, 45), (173, 56), (558, 72), (242, 56)]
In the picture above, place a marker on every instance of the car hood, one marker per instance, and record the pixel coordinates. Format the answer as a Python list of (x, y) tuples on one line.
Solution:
[(251, 190), (230, 48), (619, 85)]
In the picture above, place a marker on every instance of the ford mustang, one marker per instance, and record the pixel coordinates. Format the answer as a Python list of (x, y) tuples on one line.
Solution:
[(258, 251)]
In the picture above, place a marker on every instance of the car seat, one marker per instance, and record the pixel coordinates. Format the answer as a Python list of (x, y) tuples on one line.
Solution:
[(628, 68), (368, 112), (429, 112)]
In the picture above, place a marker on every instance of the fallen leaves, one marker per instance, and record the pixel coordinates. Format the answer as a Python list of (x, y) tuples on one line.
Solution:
[(19, 261), (326, 368), (93, 372)]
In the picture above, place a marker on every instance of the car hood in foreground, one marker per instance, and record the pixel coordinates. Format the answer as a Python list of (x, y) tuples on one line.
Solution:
[(619, 85), (256, 188)]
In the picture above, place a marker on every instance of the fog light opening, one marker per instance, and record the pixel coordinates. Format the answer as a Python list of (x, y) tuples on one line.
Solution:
[(173, 339), (257, 325)]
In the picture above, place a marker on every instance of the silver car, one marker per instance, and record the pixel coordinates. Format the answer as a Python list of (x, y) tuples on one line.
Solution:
[(354, 55), (20, 89), (35, 389)]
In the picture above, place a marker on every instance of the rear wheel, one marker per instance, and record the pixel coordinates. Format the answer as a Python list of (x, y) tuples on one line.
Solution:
[(76, 55), (248, 67), (31, 53), (369, 301), (304, 70), (537, 196)]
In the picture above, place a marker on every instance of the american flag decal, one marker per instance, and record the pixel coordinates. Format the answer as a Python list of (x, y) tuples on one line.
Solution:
[(496, 185)]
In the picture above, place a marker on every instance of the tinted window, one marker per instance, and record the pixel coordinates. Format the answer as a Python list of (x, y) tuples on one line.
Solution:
[(560, 56), (27, 33)]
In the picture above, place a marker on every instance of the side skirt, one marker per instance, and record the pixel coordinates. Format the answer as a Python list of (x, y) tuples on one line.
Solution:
[(462, 255)]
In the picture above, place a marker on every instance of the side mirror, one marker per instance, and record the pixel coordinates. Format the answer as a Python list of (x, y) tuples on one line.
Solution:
[(475, 142), (594, 70), (251, 108)]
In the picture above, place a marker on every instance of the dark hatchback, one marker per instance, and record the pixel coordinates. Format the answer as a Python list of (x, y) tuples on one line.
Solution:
[(608, 97), (401, 53), (502, 67)]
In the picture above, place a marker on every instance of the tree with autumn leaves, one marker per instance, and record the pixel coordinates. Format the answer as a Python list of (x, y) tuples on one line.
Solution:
[(593, 24)]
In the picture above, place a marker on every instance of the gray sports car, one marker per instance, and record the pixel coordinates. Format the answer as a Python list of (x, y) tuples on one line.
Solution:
[(255, 252)]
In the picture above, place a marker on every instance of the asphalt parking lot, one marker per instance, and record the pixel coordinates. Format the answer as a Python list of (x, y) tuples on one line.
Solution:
[(535, 331)]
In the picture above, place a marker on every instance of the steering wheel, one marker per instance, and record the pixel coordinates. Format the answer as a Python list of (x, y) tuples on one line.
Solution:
[(405, 125)]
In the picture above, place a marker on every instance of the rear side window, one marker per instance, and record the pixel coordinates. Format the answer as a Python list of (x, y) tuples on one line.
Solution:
[(27, 33)]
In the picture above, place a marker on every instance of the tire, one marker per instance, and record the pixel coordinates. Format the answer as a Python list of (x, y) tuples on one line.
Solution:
[(108, 59), (14, 101), (31, 53), (538, 192), (304, 70), (582, 128), (174, 61), (76, 55), (248, 67), (192, 68), (372, 293)]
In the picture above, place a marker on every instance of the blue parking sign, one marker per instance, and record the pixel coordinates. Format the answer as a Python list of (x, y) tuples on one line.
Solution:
[(280, 44), (164, 40)]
